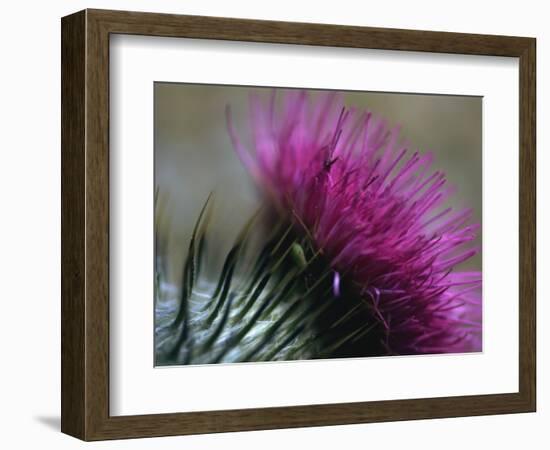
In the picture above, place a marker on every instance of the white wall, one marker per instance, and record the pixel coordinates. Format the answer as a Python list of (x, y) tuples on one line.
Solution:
[(30, 229)]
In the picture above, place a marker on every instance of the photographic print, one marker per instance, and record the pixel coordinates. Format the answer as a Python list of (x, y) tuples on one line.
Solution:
[(302, 224), (337, 203)]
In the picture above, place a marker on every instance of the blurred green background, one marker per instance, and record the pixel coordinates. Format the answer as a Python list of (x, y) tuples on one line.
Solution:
[(194, 155)]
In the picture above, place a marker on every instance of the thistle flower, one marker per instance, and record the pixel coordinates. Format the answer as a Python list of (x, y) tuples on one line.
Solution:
[(377, 213)]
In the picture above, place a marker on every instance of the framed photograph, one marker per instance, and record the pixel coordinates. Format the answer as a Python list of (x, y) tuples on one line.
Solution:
[(271, 225)]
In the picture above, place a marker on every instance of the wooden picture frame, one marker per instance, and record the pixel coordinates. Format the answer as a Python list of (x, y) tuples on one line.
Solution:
[(85, 224)]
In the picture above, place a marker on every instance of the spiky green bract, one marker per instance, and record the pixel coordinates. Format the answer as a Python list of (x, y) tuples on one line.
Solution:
[(280, 307)]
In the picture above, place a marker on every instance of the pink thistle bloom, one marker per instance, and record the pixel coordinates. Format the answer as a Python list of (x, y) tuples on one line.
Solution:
[(376, 211)]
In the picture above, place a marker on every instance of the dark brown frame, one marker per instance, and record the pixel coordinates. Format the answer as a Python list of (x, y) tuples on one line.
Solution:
[(85, 224)]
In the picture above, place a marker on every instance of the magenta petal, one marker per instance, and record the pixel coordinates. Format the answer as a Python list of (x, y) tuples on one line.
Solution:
[(377, 211), (336, 284)]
